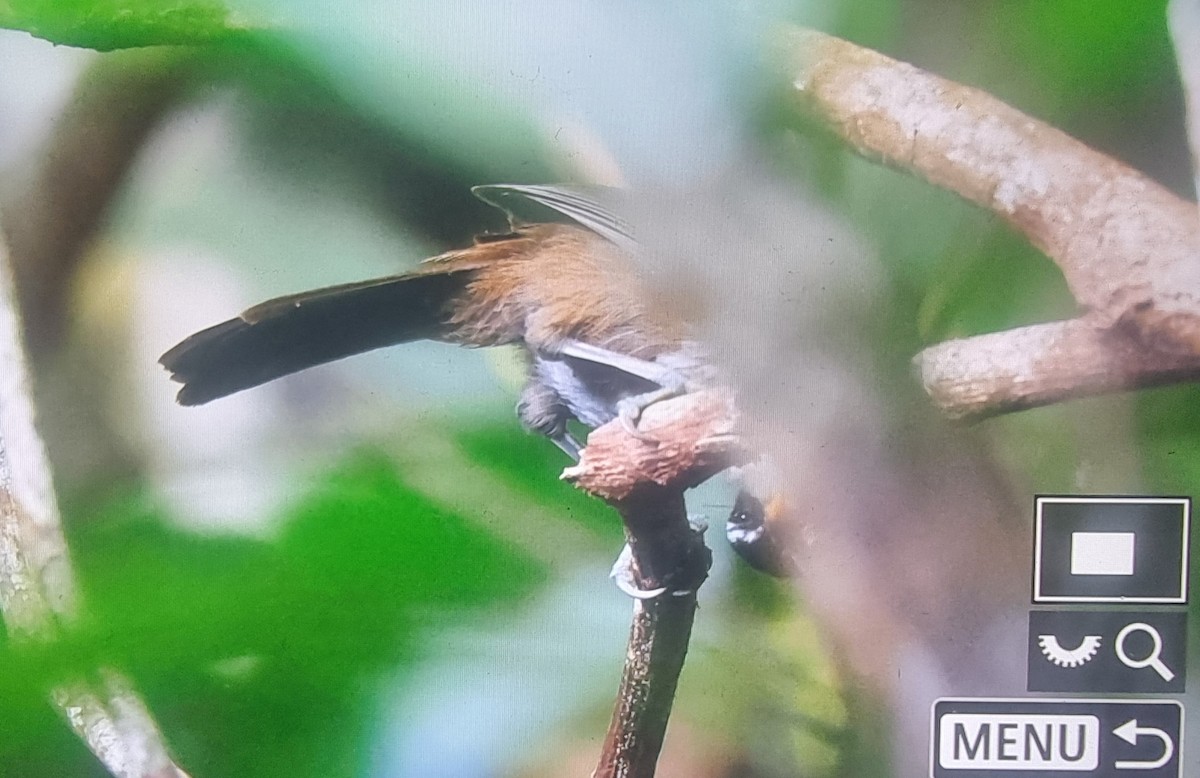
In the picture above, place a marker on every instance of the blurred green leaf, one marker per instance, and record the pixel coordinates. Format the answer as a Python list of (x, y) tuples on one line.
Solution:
[(118, 24), (770, 688), (1083, 53), (961, 299), (1171, 428), (529, 464), (261, 658)]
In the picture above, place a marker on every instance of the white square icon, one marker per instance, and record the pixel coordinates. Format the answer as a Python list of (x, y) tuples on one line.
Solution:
[(1125, 549), (1102, 553)]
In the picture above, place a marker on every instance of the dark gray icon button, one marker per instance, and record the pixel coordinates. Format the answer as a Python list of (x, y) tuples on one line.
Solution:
[(1131, 733), (1107, 651), (1111, 549), (1024, 738)]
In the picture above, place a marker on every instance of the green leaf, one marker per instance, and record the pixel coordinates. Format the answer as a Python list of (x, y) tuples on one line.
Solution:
[(529, 464), (263, 658), (106, 25)]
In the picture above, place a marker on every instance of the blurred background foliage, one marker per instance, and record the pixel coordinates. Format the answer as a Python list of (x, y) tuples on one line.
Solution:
[(370, 570)]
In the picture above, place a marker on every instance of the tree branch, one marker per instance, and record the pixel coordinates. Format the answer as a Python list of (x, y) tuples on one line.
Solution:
[(36, 586), (1042, 364), (681, 442), (684, 442), (110, 717), (666, 553), (38, 598), (51, 223), (1127, 247)]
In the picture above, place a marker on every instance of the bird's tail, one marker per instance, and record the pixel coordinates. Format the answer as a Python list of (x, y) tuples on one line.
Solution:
[(288, 334)]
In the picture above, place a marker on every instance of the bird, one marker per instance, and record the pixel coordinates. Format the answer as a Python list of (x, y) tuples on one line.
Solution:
[(757, 532), (561, 283)]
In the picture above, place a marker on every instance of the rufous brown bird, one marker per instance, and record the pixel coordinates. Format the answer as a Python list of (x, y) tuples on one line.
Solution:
[(563, 287)]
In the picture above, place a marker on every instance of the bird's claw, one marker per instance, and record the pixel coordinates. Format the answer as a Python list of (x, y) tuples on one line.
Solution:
[(622, 575), (630, 409), (629, 412)]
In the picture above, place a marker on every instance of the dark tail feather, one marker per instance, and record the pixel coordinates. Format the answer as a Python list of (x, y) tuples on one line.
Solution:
[(292, 333)]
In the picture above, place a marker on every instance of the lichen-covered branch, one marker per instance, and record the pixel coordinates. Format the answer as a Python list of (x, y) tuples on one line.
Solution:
[(38, 598), (680, 442), (1128, 248), (114, 722), (36, 586)]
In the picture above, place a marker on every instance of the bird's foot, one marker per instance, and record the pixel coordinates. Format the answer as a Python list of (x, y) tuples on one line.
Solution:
[(630, 409), (625, 579), (623, 576)]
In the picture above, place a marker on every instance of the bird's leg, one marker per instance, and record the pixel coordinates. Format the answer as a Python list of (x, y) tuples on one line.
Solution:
[(542, 410), (670, 381), (568, 443), (629, 409)]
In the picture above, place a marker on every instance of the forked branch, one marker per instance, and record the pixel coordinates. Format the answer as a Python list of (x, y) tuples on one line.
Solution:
[(1128, 248)]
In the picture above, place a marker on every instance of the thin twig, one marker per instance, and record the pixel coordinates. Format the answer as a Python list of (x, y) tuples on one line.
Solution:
[(658, 534), (681, 442), (1128, 248), (38, 598)]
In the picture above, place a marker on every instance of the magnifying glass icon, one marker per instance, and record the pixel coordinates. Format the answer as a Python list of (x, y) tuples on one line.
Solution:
[(1153, 659)]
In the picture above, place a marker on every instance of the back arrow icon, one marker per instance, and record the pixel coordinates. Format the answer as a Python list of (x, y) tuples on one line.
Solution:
[(1129, 732)]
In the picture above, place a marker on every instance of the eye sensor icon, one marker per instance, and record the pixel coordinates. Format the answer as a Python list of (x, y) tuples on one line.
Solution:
[(1069, 657)]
